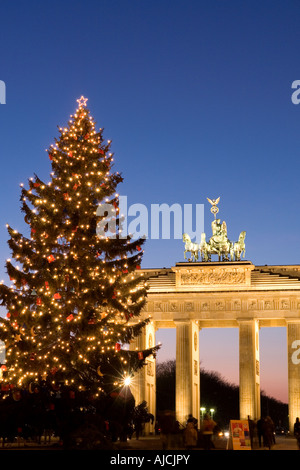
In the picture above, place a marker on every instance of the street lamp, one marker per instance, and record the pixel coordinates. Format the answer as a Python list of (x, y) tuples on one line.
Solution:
[(212, 413), (202, 410)]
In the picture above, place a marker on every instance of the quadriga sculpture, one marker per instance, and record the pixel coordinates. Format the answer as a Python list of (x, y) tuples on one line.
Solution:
[(219, 244)]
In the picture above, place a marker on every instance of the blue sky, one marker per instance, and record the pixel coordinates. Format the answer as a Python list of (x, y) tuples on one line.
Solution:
[(195, 96)]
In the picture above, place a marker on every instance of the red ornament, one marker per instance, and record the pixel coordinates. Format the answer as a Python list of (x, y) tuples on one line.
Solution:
[(39, 301), (50, 156), (138, 267), (70, 317), (47, 284), (36, 185), (140, 355), (138, 248), (51, 258), (117, 347), (57, 296)]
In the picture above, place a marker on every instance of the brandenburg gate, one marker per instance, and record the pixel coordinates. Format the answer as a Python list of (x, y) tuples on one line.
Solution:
[(226, 293)]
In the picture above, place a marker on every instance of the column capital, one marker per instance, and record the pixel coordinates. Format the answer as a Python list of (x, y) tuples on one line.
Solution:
[(153, 324), (180, 320), (241, 320), (295, 321)]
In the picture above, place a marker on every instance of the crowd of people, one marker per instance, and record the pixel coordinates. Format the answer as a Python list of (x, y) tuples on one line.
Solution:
[(190, 436), (265, 428)]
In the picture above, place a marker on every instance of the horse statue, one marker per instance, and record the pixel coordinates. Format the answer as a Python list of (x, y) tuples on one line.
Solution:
[(238, 248), (191, 247), (204, 248)]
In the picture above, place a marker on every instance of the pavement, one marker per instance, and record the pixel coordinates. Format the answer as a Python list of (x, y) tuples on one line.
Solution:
[(154, 443)]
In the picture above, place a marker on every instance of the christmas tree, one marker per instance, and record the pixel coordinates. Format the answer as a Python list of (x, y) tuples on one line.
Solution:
[(77, 292)]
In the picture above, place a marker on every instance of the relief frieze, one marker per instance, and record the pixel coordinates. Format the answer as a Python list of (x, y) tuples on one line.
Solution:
[(206, 306), (213, 277), (189, 306)]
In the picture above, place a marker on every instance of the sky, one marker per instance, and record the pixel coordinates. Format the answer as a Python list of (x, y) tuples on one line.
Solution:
[(196, 98)]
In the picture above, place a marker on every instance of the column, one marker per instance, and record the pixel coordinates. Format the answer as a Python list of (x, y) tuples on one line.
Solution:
[(293, 345), (143, 386), (249, 379), (187, 371)]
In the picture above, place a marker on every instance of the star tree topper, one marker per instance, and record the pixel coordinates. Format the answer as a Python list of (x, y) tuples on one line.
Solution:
[(82, 101)]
